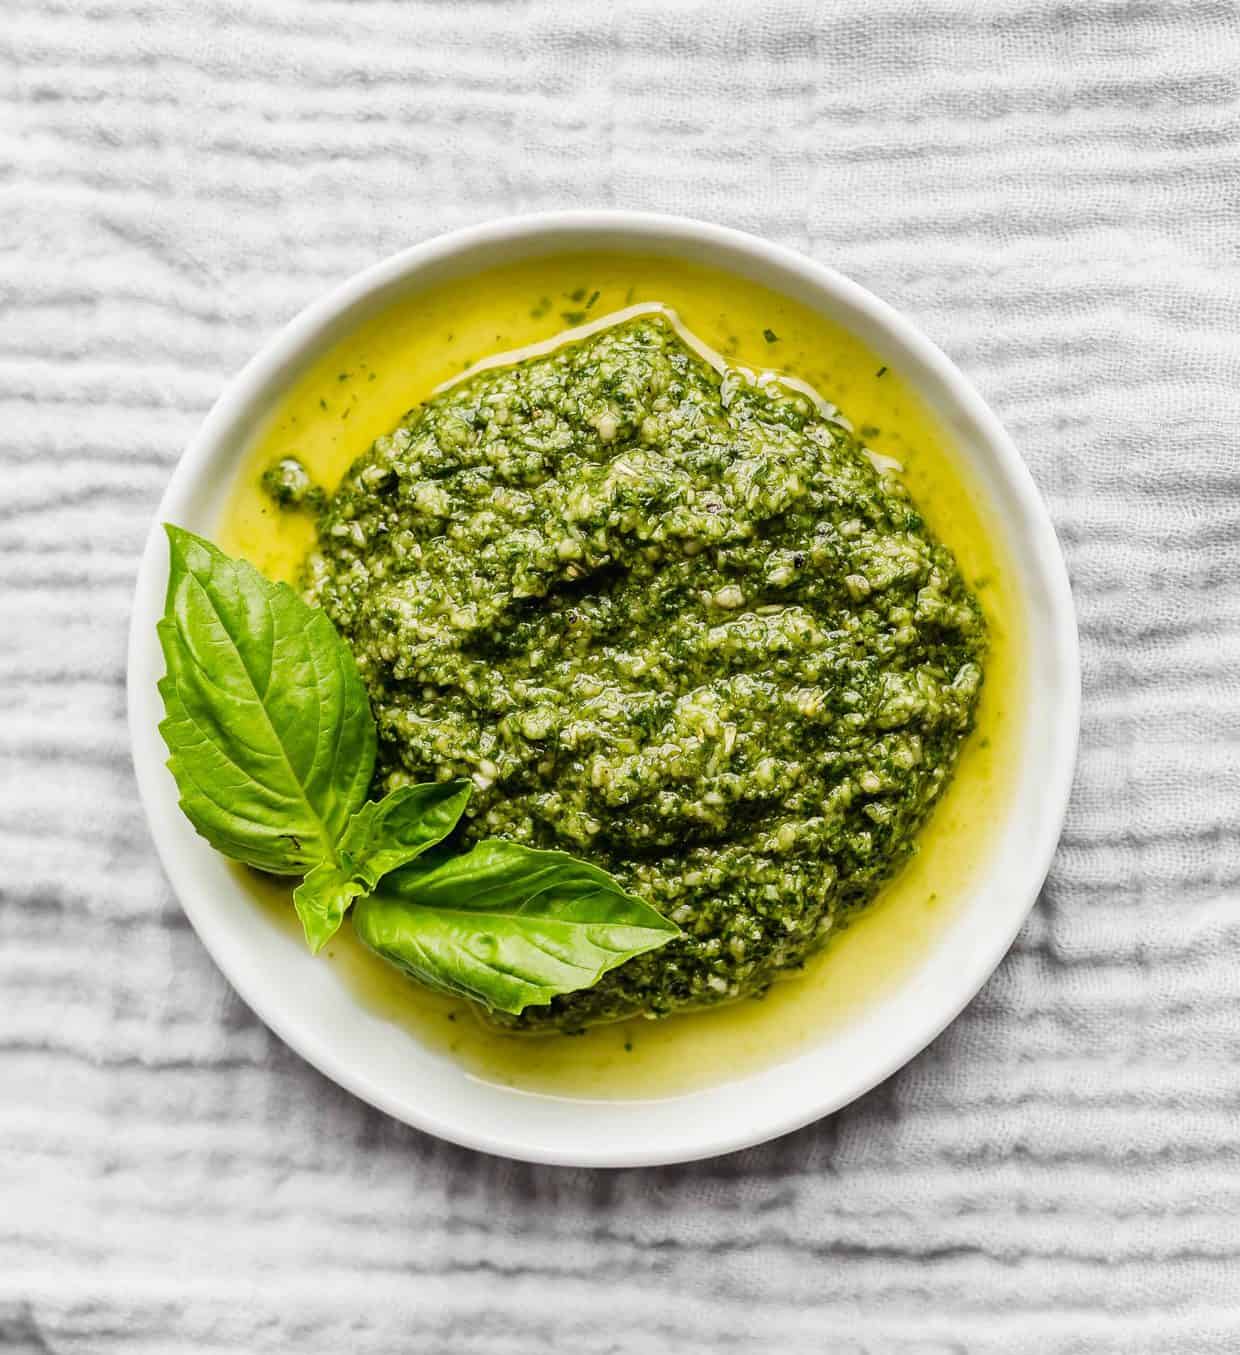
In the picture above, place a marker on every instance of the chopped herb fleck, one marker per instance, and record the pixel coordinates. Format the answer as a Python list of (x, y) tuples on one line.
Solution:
[(882, 371), (578, 294), (593, 298), (770, 336), (573, 317)]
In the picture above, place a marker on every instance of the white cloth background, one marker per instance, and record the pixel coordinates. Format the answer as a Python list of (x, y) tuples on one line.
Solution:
[(1052, 191)]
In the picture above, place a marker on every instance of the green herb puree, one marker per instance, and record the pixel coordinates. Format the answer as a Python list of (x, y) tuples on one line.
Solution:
[(670, 620)]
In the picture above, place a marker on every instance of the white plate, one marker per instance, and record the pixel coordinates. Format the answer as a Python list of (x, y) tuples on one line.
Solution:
[(306, 1003)]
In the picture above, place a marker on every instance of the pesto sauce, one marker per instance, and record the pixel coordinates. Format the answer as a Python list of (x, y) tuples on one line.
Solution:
[(670, 620)]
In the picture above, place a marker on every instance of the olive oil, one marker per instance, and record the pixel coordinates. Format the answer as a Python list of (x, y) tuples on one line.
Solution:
[(361, 388)]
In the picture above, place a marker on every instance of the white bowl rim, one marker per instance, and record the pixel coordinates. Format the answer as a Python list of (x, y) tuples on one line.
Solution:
[(754, 1123)]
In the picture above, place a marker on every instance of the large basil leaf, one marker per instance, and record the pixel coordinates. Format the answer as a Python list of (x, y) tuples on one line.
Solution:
[(267, 721), (507, 926), (382, 836)]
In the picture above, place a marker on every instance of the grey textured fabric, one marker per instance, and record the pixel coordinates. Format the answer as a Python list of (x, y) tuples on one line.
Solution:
[(1051, 191)]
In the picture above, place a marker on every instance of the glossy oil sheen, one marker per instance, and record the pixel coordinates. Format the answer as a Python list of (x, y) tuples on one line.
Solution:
[(361, 388)]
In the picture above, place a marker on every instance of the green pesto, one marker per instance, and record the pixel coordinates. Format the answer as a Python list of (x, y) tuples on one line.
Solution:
[(671, 622), (288, 483)]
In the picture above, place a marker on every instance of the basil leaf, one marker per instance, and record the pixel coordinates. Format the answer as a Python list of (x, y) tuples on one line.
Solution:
[(507, 926), (322, 899), (389, 833), (382, 836), (267, 722)]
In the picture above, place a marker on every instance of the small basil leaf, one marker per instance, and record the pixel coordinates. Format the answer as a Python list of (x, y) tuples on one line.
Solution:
[(389, 833), (267, 722), (507, 926), (322, 899), (381, 836)]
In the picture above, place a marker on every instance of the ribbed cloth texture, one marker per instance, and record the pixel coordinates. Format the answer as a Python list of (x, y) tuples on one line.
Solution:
[(1052, 192)]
